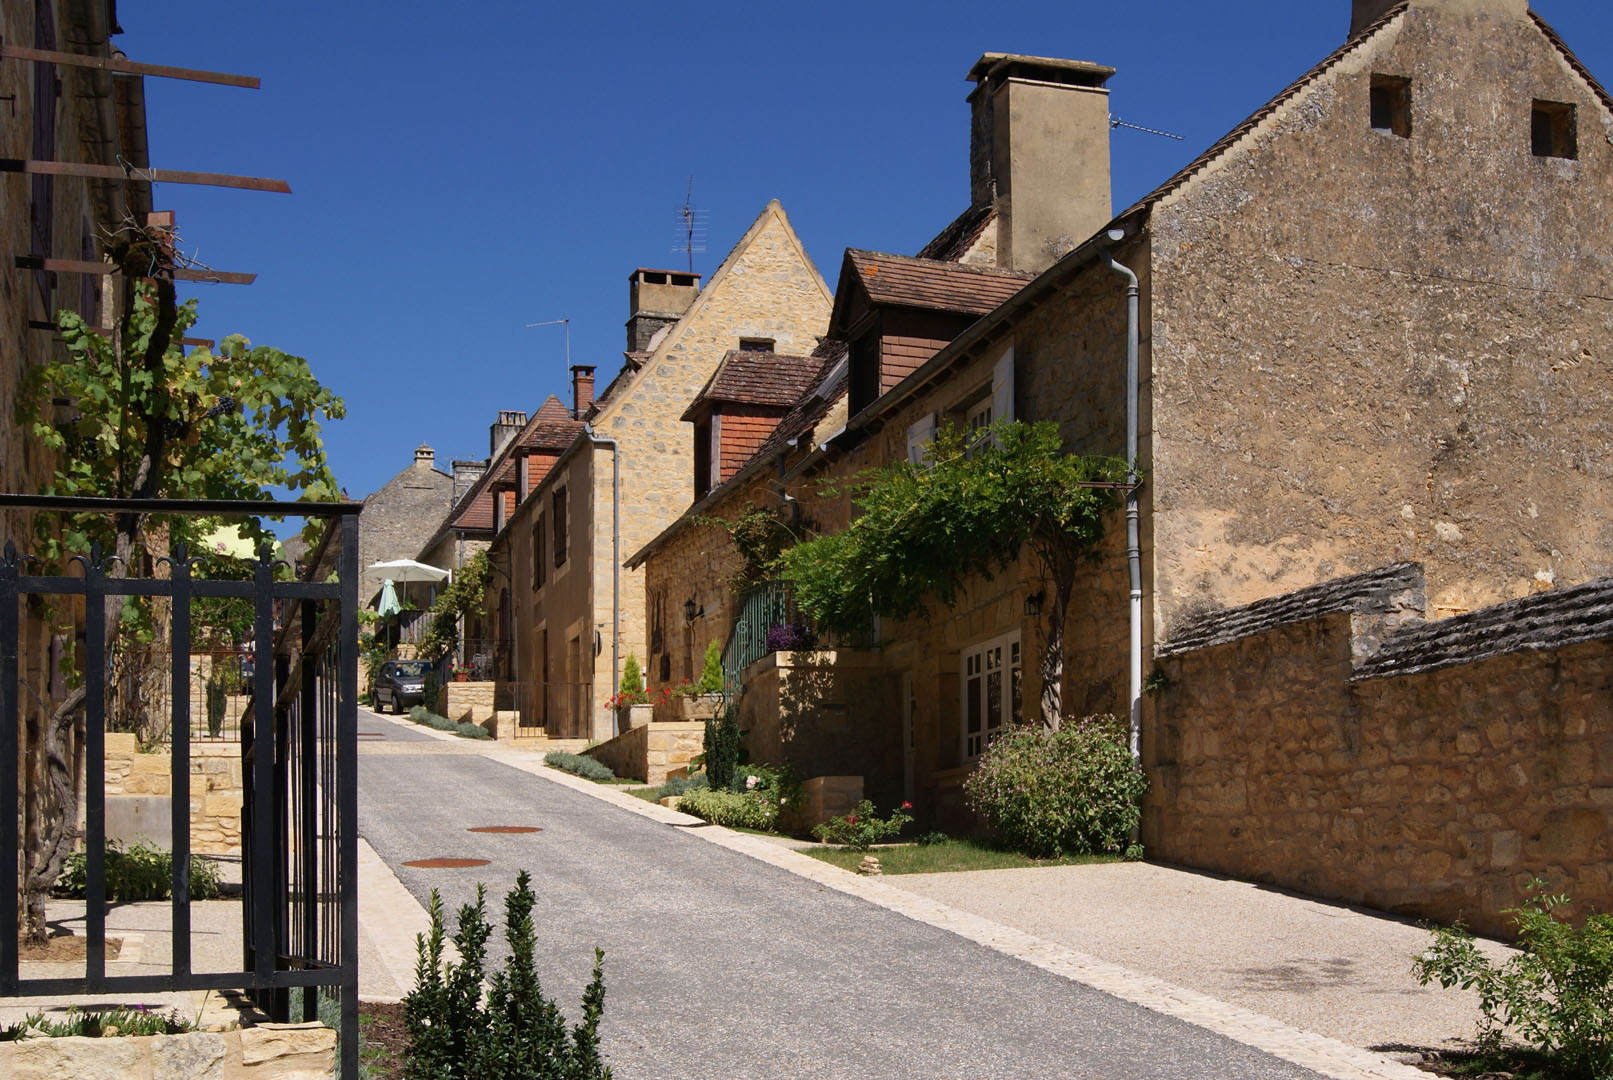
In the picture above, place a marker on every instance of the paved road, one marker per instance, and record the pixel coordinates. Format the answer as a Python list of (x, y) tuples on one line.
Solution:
[(721, 966)]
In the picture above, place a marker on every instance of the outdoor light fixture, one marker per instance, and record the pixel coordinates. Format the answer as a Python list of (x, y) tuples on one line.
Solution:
[(1033, 603), (689, 610)]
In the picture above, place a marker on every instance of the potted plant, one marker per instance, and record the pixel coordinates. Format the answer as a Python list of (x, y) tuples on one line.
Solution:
[(702, 699), (631, 702), (461, 673)]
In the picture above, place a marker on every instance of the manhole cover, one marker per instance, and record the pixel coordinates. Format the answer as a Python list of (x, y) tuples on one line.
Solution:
[(445, 864), (501, 829)]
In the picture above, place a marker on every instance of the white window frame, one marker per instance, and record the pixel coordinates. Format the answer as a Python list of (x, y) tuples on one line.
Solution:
[(1003, 656), (920, 434)]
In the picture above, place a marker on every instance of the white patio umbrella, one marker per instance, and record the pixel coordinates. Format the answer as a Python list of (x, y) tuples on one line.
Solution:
[(406, 570)]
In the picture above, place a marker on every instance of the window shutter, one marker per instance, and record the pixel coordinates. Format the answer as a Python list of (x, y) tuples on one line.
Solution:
[(1002, 387), (920, 435)]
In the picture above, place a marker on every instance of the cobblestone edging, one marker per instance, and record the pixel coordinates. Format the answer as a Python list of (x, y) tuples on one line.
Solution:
[(1326, 1056)]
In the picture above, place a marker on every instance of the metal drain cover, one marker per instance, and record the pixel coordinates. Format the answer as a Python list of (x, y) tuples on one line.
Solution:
[(445, 864), (505, 829)]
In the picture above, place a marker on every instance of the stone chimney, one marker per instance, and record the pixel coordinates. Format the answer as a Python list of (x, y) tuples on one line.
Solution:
[(582, 390), (466, 473), (1039, 150), (656, 298), (503, 430), (1363, 13), (424, 457)]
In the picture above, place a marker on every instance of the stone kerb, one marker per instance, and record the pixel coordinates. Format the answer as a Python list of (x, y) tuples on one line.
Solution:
[(265, 1052)]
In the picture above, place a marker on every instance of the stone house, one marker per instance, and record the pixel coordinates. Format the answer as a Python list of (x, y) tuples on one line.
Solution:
[(572, 611), (1372, 405), (397, 518)]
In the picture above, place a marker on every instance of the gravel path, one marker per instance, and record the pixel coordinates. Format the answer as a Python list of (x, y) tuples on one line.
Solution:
[(718, 965), (1331, 969)]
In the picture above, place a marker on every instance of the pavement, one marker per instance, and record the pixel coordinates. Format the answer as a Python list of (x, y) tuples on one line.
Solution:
[(1119, 970)]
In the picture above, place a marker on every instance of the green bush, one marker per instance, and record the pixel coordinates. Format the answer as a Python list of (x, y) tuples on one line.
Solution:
[(511, 1033), (632, 678), (731, 808), (143, 872), (1052, 793), (421, 715), (467, 730), (679, 785), (215, 706), (722, 746), (585, 767), (1556, 994), (711, 680), (862, 828)]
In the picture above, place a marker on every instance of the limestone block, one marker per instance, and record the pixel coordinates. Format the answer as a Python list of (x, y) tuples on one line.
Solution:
[(268, 1042), (222, 806), (197, 1055), (75, 1057), (123, 744)]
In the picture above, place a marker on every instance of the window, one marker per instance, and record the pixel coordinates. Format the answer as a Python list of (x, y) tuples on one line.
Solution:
[(991, 691), (1391, 105), (559, 514), (1553, 131), (755, 344), (539, 570), (976, 425)]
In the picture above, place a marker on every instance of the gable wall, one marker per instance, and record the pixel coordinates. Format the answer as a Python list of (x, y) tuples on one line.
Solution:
[(1372, 349)]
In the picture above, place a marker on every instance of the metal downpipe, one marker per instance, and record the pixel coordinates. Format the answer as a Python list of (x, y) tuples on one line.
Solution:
[(1134, 555), (615, 554)]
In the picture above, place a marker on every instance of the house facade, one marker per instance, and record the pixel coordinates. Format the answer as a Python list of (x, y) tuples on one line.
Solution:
[(571, 614), (1370, 335), (398, 517)]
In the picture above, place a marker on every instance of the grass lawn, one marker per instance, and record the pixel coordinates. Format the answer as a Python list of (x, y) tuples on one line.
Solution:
[(954, 855)]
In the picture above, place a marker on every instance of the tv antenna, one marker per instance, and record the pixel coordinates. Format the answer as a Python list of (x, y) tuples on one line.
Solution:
[(691, 227), (558, 322), (1115, 121)]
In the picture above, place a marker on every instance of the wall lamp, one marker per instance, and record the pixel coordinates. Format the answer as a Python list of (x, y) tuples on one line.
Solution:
[(1033, 603), (692, 611)]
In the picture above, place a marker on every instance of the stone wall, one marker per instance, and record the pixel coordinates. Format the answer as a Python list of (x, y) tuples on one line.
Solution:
[(826, 713), (651, 752), (264, 1052), (138, 787), (1330, 742)]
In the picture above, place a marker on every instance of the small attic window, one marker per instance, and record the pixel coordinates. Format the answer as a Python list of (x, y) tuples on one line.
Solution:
[(1391, 105), (1553, 131), (755, 344)]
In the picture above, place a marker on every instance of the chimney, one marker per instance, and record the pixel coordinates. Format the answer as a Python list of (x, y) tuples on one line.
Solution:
[(1039, 150), (582, 390), (466, 473), (424, 456), (656, 298), (503, 430)]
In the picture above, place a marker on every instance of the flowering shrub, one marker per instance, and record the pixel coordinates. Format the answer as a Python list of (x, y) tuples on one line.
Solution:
[(789, 638), (862, 828), (1051, 793)]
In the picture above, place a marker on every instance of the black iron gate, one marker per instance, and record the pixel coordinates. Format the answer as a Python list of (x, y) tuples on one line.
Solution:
[(299, 814)]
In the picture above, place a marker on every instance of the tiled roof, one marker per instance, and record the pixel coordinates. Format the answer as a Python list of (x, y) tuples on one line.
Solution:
[(758, 378), (551, 428), (929, 283), (551, 410), (954, 241)]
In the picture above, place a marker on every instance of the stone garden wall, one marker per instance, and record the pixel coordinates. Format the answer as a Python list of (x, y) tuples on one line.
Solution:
[(1330, 742), (265, 1052), (138, 786)]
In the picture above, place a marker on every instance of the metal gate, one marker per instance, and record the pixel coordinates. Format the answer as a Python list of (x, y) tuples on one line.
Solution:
[(299, 818)]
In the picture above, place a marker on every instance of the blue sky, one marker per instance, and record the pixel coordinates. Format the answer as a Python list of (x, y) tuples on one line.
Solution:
[(462, 169)]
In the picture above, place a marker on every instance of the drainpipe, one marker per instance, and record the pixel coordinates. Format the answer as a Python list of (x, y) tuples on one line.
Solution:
[(1134, 554), (615, 554)]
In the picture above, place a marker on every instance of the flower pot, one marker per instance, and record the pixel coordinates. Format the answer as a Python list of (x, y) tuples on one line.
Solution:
[(703, 707), (462, 676)]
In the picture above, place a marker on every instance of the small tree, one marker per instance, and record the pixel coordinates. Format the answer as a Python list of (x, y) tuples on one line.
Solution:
[(711, 680), (924, 531), (152, 422), (463, 595), (632, 679), (722, 746)]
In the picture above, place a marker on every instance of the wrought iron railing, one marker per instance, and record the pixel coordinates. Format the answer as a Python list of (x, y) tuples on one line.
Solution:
[(763, 608), (298, 747)]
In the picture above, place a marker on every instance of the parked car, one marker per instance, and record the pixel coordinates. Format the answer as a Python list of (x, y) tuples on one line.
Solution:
[(400, 685)]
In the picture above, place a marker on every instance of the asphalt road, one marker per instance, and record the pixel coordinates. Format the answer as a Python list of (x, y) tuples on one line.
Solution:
[(720, 966)]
